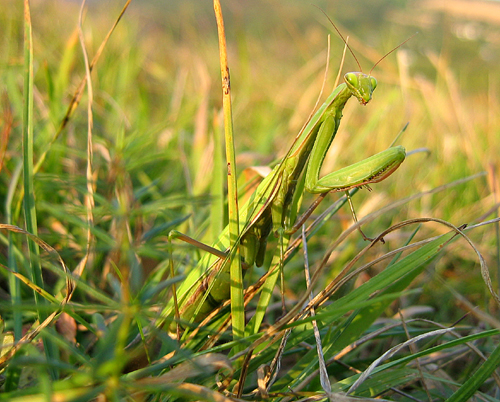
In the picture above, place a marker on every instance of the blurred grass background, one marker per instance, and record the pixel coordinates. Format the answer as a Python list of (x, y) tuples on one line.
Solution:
[(157, 103)]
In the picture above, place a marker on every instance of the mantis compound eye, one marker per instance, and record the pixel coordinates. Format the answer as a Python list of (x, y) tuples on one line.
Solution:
[(374, 82), (351, 80)]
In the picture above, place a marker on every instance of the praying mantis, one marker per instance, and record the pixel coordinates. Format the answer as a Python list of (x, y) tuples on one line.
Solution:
[(269, 209)]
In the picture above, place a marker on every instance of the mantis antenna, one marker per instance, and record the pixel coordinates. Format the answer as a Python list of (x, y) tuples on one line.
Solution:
[(387, 54), (342, 37), (352, 52)]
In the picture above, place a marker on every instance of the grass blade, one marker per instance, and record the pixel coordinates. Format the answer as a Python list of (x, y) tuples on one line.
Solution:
[(28, 179), (237, 309), (478, 378), (217, 188)]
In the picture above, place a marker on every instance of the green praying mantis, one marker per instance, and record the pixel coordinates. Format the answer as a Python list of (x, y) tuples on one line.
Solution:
[(269, 209)]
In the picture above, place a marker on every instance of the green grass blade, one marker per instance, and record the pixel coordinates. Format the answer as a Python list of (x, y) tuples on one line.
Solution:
[(392, 280), (13, 374), (364, 318), (389, 367), (478, 378), (28, 177), (217, 188), (391, 275)]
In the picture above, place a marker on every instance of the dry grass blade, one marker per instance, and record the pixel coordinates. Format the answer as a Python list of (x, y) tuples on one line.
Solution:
[(199, 391), (211, 362), (237, 302), (470, 345), (275, 365), (89, 197), (296, 312), (344, 277), (323, 373), (189, 390), (391, 352), (485, 273), (368, 218), (8, 120), (107, 208), (345, 351), (77, 96), (413, 350)]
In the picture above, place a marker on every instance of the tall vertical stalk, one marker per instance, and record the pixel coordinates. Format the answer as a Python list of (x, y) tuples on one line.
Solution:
[(29, 192), (238, 316)]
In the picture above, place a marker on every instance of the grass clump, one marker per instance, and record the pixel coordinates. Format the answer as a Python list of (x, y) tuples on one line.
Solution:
[(101, 182)]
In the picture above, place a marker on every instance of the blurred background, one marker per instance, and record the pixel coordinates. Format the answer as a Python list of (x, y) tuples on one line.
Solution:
[(157, 102)]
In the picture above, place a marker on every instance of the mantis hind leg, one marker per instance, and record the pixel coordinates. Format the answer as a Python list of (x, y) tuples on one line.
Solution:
[(254, 242)]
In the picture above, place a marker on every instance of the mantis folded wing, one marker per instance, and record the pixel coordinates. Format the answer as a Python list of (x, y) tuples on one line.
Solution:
[(268, 209)]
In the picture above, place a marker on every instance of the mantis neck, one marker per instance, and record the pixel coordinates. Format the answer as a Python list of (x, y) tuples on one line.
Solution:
[(337, 106), (313, 141), (333, 107)]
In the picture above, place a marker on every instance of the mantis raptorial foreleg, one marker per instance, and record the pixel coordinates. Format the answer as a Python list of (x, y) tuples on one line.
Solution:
[(270, 206)]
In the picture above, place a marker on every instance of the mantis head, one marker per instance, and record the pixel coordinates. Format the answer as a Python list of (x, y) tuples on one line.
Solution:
[(361, 86)]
